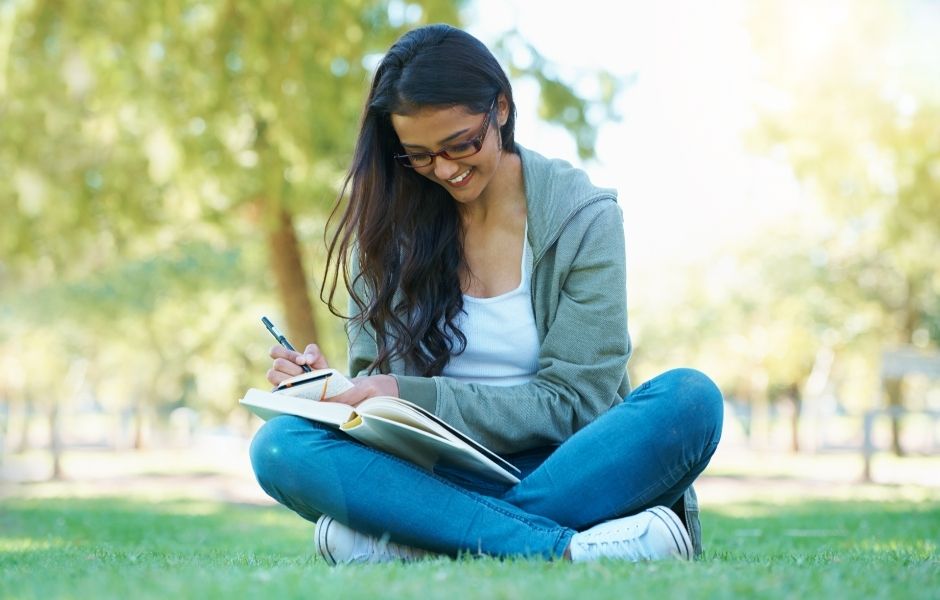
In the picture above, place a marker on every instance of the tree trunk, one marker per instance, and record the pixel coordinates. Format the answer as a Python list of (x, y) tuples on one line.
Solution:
[(894, 393), (894, 389), (55, 441), (287, 263), (139, 420), (760, 411), (797, 399)]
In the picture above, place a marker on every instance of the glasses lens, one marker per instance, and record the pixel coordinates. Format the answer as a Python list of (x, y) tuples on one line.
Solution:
[(414, 160), (420, 160), (465, 149)]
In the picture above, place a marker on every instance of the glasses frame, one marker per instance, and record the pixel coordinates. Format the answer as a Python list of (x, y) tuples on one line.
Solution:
[(477, 142)]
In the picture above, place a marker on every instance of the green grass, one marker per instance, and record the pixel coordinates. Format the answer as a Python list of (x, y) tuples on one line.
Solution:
[(107, 548)]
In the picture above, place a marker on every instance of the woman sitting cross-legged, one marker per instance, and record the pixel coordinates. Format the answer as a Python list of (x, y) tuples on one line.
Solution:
[(488, 286)]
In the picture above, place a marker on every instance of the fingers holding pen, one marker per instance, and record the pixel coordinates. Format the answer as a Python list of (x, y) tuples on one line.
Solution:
[(275, 377), (288, 363), (313, 357), (282, 369)]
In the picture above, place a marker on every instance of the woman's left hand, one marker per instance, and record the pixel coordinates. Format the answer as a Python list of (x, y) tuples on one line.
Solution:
[(368, 387)]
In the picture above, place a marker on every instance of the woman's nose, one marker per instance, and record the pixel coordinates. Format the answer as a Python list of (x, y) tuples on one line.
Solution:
[(445, 169)]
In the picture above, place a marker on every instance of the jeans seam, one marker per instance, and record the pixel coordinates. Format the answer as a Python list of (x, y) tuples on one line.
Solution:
[(471, 495), (674, 472)]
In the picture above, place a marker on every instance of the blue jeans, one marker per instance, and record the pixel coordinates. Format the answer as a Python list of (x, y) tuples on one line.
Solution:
[(643, 452)]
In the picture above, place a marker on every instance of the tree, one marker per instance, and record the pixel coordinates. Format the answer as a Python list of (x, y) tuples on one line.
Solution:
[(853, 107), (200, 110), (142, 140)]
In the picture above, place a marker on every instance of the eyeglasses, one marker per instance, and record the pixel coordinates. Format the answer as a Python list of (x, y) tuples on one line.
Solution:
[(450, 151)]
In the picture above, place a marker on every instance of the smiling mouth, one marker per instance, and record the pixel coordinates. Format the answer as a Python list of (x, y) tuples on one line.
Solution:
[(460, 177)]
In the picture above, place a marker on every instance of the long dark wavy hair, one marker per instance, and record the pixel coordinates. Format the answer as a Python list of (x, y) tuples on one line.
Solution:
[(402, 229)]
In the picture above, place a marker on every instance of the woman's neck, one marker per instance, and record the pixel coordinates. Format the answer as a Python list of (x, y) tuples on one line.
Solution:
[(503, 197)]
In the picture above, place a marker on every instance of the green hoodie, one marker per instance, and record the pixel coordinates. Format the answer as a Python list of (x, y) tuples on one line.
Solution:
[(579, 299)]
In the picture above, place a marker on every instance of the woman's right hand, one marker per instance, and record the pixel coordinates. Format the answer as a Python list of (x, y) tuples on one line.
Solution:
[(287, 363)]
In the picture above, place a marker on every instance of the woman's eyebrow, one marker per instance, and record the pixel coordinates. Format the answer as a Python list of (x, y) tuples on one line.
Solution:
[(449, 138)]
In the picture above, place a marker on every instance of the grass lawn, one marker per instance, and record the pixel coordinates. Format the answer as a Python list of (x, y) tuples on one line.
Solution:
[(110, 548)]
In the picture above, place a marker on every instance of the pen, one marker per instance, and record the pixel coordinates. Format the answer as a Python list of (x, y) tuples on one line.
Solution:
[(281, 339)]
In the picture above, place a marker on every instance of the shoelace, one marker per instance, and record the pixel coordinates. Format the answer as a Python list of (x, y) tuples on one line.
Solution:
[(625, 543)]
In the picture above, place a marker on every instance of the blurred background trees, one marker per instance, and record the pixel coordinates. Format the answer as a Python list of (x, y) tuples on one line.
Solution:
[(166, 172), (856, 113), (167, 169), (846, 100)]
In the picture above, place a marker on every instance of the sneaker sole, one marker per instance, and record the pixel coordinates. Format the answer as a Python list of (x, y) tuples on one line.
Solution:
[(323, 527), (679, 535)]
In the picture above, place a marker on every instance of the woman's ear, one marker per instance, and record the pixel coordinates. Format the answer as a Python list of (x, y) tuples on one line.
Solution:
[(502, 109)]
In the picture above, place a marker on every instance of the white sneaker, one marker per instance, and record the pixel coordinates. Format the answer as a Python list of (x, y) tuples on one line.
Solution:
[(654, 534), (338, 544)]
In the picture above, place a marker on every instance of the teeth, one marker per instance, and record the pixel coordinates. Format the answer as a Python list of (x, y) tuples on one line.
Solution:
[(460, 177)]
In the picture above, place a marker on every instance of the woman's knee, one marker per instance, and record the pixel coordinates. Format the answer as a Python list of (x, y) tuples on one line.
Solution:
[(696, 396), (271, 448)]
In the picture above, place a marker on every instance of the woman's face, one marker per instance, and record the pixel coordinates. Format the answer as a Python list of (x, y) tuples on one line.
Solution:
[(433, 129)]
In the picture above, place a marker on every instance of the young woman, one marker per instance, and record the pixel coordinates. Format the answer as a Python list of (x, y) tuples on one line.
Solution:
[(488, 286)]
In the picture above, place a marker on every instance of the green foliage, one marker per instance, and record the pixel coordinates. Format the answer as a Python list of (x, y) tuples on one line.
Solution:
[(857, 117), (561, 101), (132, 289), (847, 102), (119, 548), (146, 150), (148, 146)]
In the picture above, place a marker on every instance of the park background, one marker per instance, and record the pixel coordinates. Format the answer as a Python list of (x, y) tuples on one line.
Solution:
[(167, 170)]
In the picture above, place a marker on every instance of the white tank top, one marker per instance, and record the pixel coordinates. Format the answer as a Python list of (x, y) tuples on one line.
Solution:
[(502, 341)]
